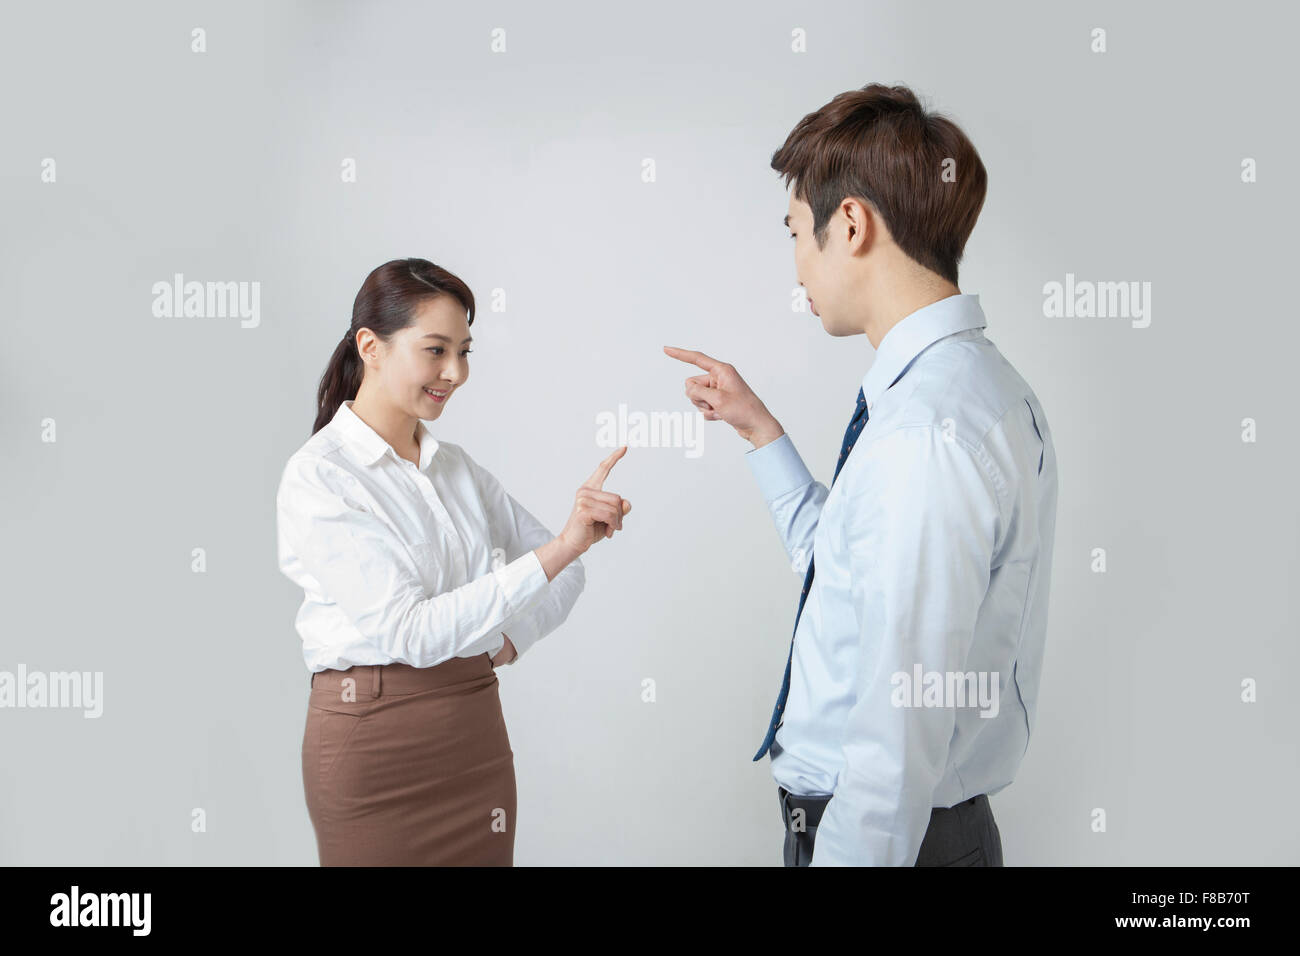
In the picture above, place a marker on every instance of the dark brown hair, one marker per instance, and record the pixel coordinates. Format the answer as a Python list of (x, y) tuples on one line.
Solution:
[(386, 304), (880, 145)]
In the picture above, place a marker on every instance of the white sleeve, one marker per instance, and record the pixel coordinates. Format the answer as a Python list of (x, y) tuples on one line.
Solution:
[(336, 545), (516, 531)]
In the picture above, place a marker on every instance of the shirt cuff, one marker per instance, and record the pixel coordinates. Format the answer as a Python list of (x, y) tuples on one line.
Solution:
[(523, 633), (521, 580), (778, 467)]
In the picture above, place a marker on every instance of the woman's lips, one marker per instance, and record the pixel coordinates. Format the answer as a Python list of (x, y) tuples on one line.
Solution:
[(437, 398)]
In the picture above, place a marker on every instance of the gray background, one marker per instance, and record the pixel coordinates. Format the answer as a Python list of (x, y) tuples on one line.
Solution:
[(522, 171)]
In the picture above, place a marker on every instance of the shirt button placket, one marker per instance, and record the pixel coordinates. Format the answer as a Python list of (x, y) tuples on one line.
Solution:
[(458, 556)]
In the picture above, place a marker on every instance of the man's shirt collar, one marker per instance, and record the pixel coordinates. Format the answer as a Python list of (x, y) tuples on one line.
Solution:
[(916, 332)]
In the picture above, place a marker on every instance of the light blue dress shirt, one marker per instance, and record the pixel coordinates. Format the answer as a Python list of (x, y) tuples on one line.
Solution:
[(934, 553)]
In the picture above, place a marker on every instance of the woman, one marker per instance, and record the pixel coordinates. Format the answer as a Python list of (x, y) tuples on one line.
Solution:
[(421, 574)]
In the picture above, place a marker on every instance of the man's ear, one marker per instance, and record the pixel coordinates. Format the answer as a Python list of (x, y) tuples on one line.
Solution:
[(864, 224)]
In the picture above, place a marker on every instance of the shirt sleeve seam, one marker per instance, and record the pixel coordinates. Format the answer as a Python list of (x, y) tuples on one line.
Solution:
[(975, 450)]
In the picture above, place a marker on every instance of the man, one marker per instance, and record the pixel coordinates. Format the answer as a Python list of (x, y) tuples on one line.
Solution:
[(910, 691)]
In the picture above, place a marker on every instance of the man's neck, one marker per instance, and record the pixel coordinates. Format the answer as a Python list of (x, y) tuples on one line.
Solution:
[(894, 304)]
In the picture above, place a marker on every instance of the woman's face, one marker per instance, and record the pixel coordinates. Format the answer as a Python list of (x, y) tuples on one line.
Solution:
[(430, 355)]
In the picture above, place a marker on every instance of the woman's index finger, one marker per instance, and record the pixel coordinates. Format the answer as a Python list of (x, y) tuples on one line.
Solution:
[(602, 470)]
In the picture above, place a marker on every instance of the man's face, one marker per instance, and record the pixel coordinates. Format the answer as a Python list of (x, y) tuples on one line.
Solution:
[(831, 277), (809, 260)]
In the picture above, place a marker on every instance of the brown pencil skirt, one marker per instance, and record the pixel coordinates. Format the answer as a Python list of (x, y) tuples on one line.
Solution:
[(409, 766)]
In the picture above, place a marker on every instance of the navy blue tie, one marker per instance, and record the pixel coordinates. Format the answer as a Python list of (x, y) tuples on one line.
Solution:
[(850, 436)]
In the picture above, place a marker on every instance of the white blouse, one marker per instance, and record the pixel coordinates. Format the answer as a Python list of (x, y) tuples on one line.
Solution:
[(417, 565)]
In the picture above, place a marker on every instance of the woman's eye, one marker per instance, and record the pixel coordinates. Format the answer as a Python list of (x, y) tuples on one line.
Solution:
[(437, 350)]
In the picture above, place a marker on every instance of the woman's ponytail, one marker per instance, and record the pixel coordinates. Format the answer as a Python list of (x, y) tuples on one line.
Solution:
[(340, 382)]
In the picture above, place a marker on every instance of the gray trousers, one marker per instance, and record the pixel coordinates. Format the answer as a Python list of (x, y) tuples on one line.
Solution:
[(964, 834)]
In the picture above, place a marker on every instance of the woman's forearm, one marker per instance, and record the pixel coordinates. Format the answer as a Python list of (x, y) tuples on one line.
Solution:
[(555, 556)]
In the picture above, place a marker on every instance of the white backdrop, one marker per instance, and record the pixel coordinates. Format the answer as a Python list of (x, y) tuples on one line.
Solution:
[(135, 440)]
